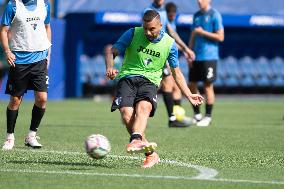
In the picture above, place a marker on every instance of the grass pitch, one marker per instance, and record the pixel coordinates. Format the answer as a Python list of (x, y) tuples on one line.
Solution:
[(244, 148)]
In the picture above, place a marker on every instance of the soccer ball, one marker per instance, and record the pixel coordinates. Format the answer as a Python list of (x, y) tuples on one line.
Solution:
[(179, 112), (97, 146)]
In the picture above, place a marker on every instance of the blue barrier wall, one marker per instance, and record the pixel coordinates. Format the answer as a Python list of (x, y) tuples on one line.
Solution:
[(57, 66)]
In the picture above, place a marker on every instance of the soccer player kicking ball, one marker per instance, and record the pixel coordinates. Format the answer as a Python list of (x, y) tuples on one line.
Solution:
[(146, 50), (28, 22)]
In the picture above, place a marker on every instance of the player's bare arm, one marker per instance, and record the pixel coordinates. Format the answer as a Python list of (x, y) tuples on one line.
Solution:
[(5, 44), (190, 45), (218, 36), (110, 54), (191, 41), (195, 99)]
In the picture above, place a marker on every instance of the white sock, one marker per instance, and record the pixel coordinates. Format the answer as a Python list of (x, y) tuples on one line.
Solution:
[(10, 136), (172, 118), (32, 134)]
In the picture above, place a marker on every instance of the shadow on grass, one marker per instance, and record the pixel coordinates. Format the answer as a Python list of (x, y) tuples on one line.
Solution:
[(60, 163)]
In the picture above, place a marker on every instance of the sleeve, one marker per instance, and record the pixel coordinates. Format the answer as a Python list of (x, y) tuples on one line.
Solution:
[(218, 23), (193, 22), (124, 41), (167, 20), (8, 15), (47, 18), (173, 56)]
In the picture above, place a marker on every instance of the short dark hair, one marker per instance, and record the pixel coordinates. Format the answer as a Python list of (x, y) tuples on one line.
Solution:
[(150, 15), (171, 7)]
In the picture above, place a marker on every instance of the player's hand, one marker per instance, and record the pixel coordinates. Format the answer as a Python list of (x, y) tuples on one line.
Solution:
[(10, 58), (189, 55), (198, 31), (196, 99), (111, 73)]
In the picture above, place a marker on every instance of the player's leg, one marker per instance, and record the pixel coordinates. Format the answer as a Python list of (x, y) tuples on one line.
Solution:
[(124, 101), (210, 76), (145, 106), (167, 92), (38, 112), (178, 110), (194, 77), (168, 84), (177, 96), (142, 112), (196, 109), (39, 82), (127, 117), (11, 116), (136, 125), (210, 96), (16, 86), (146, 101)]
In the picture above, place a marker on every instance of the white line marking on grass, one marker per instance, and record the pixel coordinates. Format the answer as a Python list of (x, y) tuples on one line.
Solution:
[(138, 176), (206, 174), (247, 181)]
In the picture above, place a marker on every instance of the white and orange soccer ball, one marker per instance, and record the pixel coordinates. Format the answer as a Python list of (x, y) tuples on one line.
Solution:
[(97, 146)]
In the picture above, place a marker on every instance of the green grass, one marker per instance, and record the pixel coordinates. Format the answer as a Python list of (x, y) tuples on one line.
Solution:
[(245, 144)]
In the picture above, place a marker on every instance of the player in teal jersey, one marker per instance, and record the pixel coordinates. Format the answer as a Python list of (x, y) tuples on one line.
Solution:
[(168, 81), (207, 32), (146, 50)]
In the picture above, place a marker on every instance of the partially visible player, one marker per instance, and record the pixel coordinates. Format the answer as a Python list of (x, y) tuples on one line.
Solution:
[(207, 32), (171, 10), (167, 82), (28, 22), (3, 67), (146, 50)]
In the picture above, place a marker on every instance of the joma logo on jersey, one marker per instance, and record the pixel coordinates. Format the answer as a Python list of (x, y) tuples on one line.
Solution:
[(148, 51), (32, 19)]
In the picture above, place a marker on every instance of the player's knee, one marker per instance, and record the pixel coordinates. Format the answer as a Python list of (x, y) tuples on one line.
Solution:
[(143, 109), (126, 119), (127, 115), (208, 86), (41, 101), (14, 103)]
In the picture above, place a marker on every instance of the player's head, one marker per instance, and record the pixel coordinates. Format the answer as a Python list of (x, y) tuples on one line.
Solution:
[(204, 4), (159, 3), (152, 24), (171, 9)]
